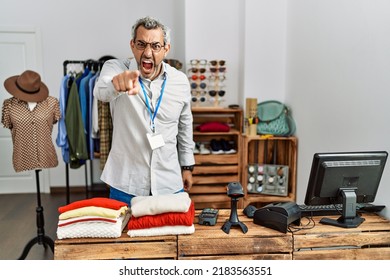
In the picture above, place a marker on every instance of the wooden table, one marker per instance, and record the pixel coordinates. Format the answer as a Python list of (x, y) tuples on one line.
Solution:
[(210, 242), (371, 240)]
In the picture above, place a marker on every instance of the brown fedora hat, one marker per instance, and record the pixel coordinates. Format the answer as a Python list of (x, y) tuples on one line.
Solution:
[(27, 87)]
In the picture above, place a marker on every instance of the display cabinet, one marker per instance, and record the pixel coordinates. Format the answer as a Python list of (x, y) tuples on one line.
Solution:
[(213, 172)]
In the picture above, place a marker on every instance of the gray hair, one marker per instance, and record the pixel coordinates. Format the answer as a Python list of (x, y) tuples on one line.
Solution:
[(151, 23)]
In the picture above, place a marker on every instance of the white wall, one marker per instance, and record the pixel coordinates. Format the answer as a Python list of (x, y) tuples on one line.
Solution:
[(212, 31), (338, 80), (328, 59), (265, 49)]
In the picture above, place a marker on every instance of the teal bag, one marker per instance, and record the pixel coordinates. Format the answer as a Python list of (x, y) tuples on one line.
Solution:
[(274, 118)]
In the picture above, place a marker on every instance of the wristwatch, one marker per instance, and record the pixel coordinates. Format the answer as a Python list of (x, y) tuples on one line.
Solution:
[(189, 167)]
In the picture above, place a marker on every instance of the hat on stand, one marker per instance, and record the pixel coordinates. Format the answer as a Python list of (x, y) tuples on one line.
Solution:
[(27, 87)]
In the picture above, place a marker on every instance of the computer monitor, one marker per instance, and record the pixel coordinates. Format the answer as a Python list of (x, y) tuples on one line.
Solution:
[(345, 178)]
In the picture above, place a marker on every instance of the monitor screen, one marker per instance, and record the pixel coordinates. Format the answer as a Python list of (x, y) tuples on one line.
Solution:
[(345, 178)]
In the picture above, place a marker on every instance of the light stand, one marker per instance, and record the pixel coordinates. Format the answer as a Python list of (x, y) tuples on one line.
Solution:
[(234, 191), (41, 238)]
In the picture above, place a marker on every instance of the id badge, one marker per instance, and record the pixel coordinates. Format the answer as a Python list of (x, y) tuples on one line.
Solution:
[(155, 140)]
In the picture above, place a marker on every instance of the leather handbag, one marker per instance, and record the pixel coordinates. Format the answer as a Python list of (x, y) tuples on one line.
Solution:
[(274, 118)]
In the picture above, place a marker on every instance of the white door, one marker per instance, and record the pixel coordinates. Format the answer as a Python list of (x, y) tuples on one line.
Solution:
[(20, 49)]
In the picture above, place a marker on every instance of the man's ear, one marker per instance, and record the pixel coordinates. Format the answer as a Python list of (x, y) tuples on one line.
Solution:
[(167, 49)]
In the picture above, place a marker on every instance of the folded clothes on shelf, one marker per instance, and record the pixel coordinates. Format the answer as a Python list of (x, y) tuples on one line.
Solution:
[(213, 127)]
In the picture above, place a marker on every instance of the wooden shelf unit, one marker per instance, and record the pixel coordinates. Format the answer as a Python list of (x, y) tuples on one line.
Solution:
[(253, 151), (213, 172)]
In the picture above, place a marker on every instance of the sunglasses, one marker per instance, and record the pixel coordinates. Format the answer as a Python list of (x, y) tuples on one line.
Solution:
[(200, 99), (215, 70), (196, 70), (198, 92), (196, 62), (201, 85), (217, 62), (217, 77), (195, 77), (215, 92)]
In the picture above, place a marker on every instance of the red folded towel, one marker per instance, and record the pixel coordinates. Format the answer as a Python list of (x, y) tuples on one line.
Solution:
[(164, 219), (96, 201)]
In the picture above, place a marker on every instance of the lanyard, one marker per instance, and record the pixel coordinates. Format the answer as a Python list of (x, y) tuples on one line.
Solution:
[(153, 116)]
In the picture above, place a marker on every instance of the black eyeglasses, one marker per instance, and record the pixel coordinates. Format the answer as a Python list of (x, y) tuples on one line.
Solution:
[(155, 46)]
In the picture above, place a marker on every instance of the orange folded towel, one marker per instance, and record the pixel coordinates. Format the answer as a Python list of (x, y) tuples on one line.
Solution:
[(96, 201)]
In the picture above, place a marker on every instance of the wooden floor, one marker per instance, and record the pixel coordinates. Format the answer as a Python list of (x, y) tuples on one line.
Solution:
[(18, 222)]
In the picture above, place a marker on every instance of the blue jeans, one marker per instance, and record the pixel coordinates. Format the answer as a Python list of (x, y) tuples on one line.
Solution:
[(121, 196), (125, 197)]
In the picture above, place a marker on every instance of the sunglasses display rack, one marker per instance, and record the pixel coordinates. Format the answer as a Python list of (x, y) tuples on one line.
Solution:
[(207, 82)]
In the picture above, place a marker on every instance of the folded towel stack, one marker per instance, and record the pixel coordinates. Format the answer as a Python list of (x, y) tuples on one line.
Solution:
[(97, 217), (161, 215)]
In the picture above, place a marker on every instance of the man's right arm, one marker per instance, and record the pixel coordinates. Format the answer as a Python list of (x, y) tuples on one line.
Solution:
[(104, 89), (116, 78)]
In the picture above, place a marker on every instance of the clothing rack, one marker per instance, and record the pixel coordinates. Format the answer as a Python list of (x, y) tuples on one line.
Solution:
[(94, 65), (41, 238)]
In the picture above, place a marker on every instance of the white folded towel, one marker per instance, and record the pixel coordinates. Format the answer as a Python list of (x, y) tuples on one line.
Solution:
[(158, 204)]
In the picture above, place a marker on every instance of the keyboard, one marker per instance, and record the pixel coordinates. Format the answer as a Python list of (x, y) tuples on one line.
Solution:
[(336, 209), (320, 210)]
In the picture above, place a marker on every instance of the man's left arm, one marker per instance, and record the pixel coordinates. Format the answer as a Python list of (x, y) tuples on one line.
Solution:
[(186, 143)]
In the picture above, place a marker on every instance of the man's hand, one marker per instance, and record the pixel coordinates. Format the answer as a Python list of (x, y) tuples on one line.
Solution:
[(127, 82), (187, 180)]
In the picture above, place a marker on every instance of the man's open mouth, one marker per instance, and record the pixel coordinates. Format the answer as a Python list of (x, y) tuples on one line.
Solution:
[(147, 65)]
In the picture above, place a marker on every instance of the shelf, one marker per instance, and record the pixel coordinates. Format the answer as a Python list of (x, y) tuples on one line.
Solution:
[(281, 151), (232, 131)]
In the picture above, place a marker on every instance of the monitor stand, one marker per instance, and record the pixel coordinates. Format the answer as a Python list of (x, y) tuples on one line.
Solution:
[(349, 218)]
